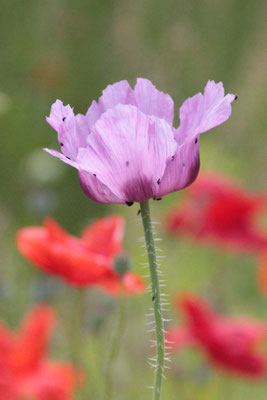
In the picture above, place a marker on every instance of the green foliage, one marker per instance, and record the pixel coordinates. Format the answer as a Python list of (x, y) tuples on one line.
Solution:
[(72, 50)]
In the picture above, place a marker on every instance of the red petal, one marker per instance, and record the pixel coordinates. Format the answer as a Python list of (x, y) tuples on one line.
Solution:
[(68, 260), (177, 338), (220, 212), (130, 284), (229, 343), (133, 283), (55, 231), (105, 236), (51, 382), (30, 345)]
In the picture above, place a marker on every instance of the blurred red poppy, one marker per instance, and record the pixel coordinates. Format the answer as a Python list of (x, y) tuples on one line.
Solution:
[(85, 261), (229, 343), (218, 211), (25, 371)]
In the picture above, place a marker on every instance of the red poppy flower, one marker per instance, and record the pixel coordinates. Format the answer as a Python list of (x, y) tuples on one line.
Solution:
[(218, 211), (229, 343), (85, 261), (25, 371)]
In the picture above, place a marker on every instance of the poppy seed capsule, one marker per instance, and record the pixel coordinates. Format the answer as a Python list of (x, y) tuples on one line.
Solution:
[(122, 264)]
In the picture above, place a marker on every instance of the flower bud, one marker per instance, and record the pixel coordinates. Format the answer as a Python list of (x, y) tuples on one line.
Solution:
[(122, 264)]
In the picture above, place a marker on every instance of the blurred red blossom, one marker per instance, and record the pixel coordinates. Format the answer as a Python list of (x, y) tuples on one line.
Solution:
[(218, 211), (228, 343), (85, 261), (25, 371)]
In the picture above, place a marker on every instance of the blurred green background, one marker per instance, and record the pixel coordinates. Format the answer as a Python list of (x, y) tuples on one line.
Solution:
[(72, 50)]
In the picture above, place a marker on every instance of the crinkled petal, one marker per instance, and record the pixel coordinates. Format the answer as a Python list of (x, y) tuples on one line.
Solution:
[(200, 113), (90, 184), (153, 102), (118, 93), (93, 114), (128, 150), (72, 135), (58, 114), (181, 170), (62, 157), (96, 190)]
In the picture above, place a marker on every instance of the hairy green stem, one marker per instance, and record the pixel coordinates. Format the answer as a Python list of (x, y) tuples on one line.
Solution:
[(156, 298), (114, 348)]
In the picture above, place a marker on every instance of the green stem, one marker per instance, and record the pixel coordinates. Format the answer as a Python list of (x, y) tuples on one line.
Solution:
[(77, 332), (156, 298), (114, 348), (77, 326)]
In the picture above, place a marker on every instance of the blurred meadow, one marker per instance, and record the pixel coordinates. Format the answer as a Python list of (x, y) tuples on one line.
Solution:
[(72, 50)]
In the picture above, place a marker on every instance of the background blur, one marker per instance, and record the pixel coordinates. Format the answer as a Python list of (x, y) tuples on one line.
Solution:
[(72, 50)]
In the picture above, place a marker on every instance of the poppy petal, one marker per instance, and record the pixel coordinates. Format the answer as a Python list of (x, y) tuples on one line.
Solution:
[(104, 236)]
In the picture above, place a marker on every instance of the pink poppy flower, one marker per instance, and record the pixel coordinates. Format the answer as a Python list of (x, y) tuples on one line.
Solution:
[(126, 149), (216, 210), (229, 343)]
